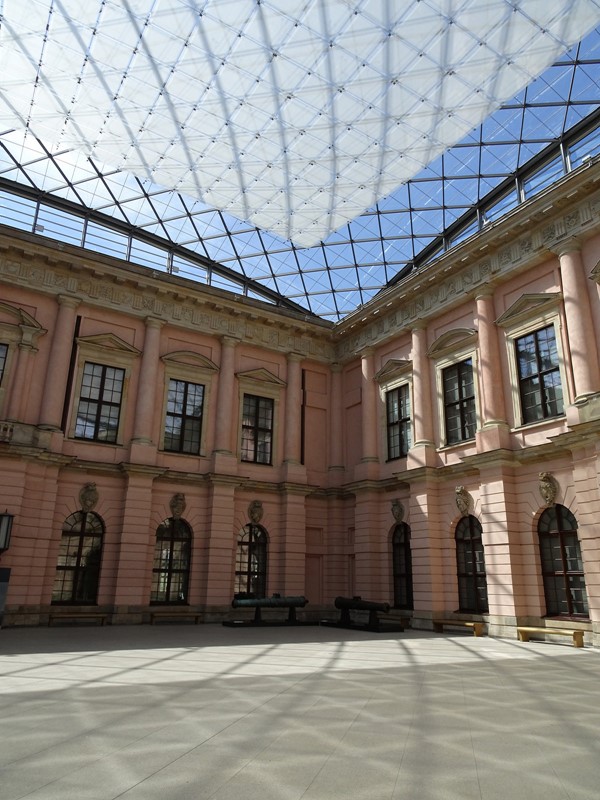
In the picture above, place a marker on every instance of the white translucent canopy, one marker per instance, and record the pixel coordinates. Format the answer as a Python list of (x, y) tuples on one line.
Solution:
[(295, 116)]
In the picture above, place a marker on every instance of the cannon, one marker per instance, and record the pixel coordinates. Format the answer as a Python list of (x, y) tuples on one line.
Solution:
[(291, 602), (348, 604)]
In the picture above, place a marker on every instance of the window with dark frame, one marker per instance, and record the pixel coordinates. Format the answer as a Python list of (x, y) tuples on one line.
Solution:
[(397, 402), (257, 429), (540, 387), (183, 422), (562, 565), (78, 567), (251, 562), (470, 566), (459, 402), (3, 356), (402, 566), (171, 567), (99, 406)]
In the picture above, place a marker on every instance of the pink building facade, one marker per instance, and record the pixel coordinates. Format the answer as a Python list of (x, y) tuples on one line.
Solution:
[(165, 445)]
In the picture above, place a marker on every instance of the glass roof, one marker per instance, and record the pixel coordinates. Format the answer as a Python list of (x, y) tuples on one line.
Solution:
[(51, 185)]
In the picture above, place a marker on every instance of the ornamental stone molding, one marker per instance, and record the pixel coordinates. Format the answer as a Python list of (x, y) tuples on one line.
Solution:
[(463, 500), (131, 290), (491, 256), (548, 488), (397, 510), (255, 511), (88, 497), (177, 505)]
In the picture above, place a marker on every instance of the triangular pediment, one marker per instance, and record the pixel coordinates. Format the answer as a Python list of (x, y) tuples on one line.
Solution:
[(393, 368), (17, 316), (529, 307), (107, 341), (452, 340), (260, 375), (190, 359)]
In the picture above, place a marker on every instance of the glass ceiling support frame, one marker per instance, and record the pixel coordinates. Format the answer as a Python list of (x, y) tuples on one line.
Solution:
[(131, 231), (476, 214)]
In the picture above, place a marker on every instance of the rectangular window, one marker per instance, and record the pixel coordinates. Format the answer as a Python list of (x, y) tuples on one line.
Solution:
[(257, 429), (3, 355), (539, 376), (183, 424), (459, 402), (99, 403), (397, 403)]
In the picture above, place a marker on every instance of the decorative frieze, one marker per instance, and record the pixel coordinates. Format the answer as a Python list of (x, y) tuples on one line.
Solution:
[(130, 294), (446, 282)]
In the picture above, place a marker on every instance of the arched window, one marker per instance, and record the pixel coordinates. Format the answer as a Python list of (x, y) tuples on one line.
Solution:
[(78, 567), (171, 569), (251, 561), (402, 566), (562, 565), (470, 566)]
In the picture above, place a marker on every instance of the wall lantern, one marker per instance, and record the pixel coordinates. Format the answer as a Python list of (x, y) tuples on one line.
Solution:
[(6, 521)]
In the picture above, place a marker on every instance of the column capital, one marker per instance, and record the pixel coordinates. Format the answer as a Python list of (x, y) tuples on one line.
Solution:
[(68, 301), (154, 322), (484, 292), (295, 358), (229, 341), (365, 352), (570, 245)]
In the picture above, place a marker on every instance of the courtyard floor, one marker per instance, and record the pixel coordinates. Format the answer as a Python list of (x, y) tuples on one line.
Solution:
[(186, 712)]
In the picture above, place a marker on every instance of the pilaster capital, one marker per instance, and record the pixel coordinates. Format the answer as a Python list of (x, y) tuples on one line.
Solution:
[(68, 302), (563, 248), (153, 322), (484, 292), (365, 352)]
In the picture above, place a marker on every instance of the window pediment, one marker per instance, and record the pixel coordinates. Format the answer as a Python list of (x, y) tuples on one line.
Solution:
[(16, 325), (262, 376), (107, 342), (190, 359), (392, 369), (451, 341), (528, 308)]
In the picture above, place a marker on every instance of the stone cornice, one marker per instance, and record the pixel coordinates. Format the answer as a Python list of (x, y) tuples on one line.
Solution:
[(79, 277), (527, 236)]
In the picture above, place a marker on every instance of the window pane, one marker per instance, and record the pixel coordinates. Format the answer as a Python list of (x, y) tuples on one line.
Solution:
[(99, 406), (257, 429), (562, 563), (183, 421), (539, 375), (398, 422), (459, 402), (3, 354)]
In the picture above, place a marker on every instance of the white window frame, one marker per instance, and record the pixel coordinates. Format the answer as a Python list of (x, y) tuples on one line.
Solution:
[(261, 383), (185, 365), (394, 374), (107, 350), (518, 322), (451, 348)]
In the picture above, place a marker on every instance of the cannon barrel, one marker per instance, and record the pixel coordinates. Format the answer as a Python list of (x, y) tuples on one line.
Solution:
[(294, 601), (358, 604)]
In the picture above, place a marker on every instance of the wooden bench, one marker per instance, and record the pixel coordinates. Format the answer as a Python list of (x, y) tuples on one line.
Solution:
[(100, 616), (440, 624), (174, 615), (524, 633)]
